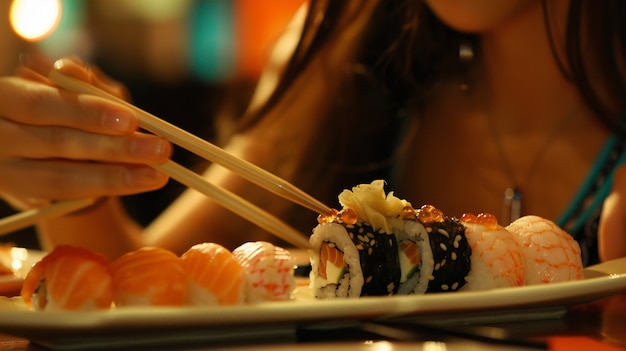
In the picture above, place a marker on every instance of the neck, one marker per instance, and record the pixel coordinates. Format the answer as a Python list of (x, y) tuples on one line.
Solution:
[(521, 78)]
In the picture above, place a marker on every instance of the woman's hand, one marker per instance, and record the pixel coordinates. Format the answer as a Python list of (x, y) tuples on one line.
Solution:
[(612, 228), (57, 145)]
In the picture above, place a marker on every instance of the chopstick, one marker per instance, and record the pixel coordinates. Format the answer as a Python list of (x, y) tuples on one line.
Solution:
[(29, 217), (200, 147), (213, 153), (234, 203)]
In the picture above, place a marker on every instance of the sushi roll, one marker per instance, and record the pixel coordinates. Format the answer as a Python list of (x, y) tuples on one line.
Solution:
[(268, 271), (69, 278), (353, 260), (379, 244), (415, 258), (215, 276), (149, 276), (498, 259), (551, 254), (451, 252), (354, 251)]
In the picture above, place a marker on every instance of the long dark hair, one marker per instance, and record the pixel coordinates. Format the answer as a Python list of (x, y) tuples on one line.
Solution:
[(403, 51), (409, 49)]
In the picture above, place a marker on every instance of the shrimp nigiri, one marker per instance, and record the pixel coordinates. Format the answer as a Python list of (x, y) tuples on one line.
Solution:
[(69, 278), (552, 255), (269, 271), (497, 258), (149, 276), (215, 275)]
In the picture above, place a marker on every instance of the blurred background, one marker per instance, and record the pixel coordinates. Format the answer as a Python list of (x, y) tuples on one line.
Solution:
[(185, 61)]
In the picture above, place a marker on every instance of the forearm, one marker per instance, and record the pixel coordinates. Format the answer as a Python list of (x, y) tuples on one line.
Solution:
[(105, 228)]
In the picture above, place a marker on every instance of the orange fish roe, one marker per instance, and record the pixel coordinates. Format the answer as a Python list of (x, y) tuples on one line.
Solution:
[(328, 217), (408, 212), (487, 219), (345, 216), (348, 216), (429, 214)]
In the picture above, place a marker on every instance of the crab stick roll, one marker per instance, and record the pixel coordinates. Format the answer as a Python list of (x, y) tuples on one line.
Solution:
[(268, 269), (216, 277), (149, 276), (497, 258), (69, 278), (551, 254)]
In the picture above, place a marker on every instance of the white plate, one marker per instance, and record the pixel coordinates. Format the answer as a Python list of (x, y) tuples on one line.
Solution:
[(19, 260), (141, 326)]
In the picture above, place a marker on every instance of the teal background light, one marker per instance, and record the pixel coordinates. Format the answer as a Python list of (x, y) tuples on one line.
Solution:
[(212, 46)]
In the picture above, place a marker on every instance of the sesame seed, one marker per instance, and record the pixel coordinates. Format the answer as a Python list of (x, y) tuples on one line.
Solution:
[(455, 285), (431, 277), (443, 232), (369, 279), (443, 246), (361, 230), (444, 287), (370, 251), (361, 238), (429, 229), (437, 266), (453, 256), (372, 242), (360, 247), (443, 262)]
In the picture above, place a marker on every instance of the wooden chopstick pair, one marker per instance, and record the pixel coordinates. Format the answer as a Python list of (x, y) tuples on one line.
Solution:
[(191, 179)]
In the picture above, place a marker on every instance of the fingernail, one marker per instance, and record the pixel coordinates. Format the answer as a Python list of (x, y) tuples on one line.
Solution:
[(144, 177), (149, 149), (118, 120)]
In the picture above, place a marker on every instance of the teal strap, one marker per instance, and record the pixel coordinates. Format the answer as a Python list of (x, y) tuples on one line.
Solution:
[(589, 182)]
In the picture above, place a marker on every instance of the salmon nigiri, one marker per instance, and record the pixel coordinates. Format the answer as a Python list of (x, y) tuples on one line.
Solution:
[(149, 276), (69, 278), (216, 278), (269, 271)]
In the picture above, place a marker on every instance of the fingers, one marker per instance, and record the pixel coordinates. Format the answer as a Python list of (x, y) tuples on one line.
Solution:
[(31, 103), (56, 144), (62, 179), (34, 66), (33, 142), (92, 75)]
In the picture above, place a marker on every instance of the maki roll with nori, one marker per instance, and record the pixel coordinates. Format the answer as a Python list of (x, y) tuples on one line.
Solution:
[(379, 244), (450, 249), (354, 260)]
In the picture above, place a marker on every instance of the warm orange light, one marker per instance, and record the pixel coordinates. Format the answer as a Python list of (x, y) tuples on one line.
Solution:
[(33, 20)]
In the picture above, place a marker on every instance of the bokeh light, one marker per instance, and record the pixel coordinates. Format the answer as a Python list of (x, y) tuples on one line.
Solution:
[(34, 20)]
